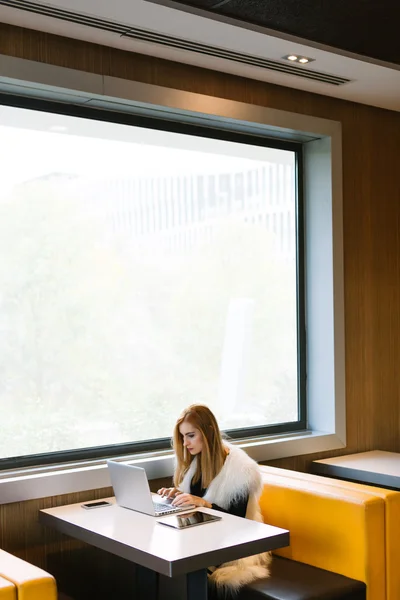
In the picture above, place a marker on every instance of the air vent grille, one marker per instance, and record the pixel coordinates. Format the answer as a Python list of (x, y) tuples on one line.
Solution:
[(174, 42)]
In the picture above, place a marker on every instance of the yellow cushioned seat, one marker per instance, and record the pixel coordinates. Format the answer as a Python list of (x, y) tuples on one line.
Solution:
[(8, 590), (392, 519), (340, 530), (31, 582)]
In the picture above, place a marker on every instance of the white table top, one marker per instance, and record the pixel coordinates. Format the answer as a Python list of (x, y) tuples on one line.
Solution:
[(377, 467), (139, 538)]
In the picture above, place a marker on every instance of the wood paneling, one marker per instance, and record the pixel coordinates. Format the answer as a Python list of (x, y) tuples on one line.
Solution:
[(371, 141), (22, 535)]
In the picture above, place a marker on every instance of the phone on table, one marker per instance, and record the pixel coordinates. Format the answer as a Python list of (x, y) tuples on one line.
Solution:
[(190, 519), (96, 504)]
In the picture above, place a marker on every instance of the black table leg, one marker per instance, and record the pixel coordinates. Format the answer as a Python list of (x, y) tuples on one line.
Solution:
[(172, 588), (152, 586), (146, 584), (192, 586), (196, 584)]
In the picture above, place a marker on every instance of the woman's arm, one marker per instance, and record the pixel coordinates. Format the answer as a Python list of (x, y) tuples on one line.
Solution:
[(237, 508)]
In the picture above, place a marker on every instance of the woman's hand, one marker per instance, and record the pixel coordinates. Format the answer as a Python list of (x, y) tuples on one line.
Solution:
[(181, 499), (168, 492)]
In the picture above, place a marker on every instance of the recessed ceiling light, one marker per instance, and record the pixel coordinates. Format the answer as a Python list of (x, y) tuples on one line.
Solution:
[(297, 58)]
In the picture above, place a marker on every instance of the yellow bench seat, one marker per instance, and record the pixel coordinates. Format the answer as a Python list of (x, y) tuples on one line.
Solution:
[(8, 590), (332, 528), (391, 501), (30, 582)]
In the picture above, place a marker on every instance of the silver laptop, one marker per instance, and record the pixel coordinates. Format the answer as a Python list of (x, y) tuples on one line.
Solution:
[(132, 490)]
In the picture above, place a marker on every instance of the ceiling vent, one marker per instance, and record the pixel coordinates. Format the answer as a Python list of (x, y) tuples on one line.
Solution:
[(153, 37)]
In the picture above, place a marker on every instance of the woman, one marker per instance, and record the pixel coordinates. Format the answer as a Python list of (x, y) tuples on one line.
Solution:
[(210, 473)]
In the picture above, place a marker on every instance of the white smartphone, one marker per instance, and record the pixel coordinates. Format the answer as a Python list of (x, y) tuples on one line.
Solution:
[(96, 504)]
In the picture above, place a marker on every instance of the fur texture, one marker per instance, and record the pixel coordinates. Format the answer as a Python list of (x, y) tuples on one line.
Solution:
[(239, 477)]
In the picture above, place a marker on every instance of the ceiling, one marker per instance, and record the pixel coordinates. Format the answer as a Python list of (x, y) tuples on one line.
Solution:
[(366, 27), (370, 81)]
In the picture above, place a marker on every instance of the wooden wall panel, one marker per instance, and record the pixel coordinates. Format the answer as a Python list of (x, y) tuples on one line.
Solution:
[(23, 535), (371, 141)]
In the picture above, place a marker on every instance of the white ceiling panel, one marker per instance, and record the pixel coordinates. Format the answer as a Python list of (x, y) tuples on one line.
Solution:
[(371, 83)]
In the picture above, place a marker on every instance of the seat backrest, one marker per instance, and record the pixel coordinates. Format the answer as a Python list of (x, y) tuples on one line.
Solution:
[(340, 530), (31, 583), (392, 518)]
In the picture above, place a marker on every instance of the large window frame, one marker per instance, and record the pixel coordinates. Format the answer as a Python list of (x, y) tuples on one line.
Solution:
[(324, 270), (210, 131)]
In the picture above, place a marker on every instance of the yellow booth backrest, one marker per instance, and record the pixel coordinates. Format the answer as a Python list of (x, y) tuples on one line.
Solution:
[(392, 519), (8, 591), (31, 582), (331, 528)]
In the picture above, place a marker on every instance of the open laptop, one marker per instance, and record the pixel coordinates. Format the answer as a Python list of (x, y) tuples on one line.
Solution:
[(132, 490)]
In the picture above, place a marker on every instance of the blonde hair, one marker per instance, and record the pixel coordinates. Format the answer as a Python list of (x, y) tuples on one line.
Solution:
[(212, 457)]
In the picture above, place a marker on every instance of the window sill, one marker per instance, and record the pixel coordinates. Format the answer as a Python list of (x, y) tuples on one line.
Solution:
[(41, 482)]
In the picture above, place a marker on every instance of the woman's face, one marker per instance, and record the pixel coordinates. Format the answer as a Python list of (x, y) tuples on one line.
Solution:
[(192, 438)]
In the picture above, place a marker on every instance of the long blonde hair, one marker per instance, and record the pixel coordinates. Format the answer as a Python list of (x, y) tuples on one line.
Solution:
[(212, 457)]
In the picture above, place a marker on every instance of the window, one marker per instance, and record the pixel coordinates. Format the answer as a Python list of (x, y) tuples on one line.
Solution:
[(144, 266)]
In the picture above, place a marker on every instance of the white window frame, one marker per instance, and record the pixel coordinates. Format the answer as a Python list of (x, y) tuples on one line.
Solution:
[(322, 149)]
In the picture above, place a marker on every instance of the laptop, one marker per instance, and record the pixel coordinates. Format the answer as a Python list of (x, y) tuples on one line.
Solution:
[(132, 491)]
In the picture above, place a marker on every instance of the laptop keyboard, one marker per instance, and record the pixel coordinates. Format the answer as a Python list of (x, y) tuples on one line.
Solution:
[(163, 509)]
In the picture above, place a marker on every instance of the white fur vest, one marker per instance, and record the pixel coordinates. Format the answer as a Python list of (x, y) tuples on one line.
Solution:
[(240, 476)]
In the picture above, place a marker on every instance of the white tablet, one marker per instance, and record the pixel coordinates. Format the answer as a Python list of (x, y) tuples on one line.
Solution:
[(190, 519)]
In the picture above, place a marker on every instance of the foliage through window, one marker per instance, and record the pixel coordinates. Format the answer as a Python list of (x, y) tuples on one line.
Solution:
[(142, 270)]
